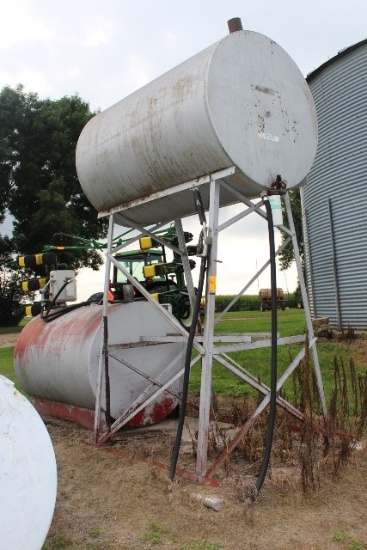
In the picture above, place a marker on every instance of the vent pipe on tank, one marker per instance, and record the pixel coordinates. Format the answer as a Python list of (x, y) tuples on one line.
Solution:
[(235, 24)]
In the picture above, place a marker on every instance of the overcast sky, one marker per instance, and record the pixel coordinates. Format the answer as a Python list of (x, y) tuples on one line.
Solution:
[(105, 49)]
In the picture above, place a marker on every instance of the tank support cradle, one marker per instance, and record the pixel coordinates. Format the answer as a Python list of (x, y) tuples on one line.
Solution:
[(205, 345)]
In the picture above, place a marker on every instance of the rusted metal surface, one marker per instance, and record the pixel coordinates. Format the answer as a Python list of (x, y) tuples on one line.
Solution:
[(80, 416), (85, 417), (210, 113), (58, 361), (235, 24), (52, 359), (185, 474)]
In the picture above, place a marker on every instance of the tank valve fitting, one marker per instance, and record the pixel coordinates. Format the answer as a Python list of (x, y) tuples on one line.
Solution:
[(278, 187), (235, 24)]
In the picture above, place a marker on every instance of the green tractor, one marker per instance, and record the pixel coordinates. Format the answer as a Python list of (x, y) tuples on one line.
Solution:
[(148, 265), (165, 280)]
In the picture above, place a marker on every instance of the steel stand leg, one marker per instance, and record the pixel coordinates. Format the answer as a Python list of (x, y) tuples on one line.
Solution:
[(103, 356), (207, 359), (306, 306)]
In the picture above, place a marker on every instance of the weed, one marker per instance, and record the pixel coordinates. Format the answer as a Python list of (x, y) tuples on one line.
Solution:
[(200, 545), (153, 534), (308, 443), (243, 487), (94, 533), (58, 542), (351, 544), (340, 536), (355, 545), (347, 334)]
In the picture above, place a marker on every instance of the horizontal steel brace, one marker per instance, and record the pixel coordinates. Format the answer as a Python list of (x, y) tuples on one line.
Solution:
[(260, 344), (243, 337), (171, 191)]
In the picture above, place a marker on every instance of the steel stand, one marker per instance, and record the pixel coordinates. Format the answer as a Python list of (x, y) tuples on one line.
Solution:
[(219, 354), (206, 345)]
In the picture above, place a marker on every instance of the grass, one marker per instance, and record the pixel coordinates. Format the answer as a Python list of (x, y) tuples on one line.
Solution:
[(291, 322), (6, 364), (95, 533), (11, 330), (153, 534), (6, 357), (58, 542), (346, 541), (155, 531), (6, 354), (201, 545)]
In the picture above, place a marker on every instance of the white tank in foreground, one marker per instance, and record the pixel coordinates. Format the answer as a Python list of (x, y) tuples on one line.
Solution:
[(241, 102), (58, 361), (28, 475)]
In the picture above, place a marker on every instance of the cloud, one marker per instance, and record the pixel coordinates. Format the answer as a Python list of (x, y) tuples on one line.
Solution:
[(72, 73), (98, 32), (137, 73), (30, 78), (18, 26), (170, 36)]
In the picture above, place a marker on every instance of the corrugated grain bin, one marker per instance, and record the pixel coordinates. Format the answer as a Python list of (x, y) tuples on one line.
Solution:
[(334, 201), (241, 102)]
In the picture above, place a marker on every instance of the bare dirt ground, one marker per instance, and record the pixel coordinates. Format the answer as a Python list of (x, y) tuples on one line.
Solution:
[(110, 502), (7, 340)]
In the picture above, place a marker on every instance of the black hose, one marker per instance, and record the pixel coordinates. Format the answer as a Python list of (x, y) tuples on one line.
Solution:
[(185, 384), (63, 311), (199, 207), (51, 304), (274, 351)]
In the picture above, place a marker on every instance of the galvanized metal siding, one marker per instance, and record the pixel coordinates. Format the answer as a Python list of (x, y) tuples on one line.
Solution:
[(335, 198)]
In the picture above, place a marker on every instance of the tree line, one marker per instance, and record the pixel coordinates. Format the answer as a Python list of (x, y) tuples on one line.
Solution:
[(39, 186)]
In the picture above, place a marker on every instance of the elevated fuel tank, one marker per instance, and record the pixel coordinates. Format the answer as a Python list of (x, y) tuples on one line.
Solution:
[(241, 102), (58, 361)]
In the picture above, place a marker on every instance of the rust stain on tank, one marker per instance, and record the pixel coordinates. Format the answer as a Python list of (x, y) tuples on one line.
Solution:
[(80, 416), (58, 361), (38, 333)]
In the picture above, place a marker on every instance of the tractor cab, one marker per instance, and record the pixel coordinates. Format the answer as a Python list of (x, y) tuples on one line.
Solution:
[(146, 267), (134, 262)]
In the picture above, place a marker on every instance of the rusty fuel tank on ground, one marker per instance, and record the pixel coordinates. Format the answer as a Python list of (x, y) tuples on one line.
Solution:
[(58, 361)]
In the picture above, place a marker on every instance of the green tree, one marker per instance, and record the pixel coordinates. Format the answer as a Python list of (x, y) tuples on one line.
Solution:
[(6, 248), (38, 181), (11, 298)]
